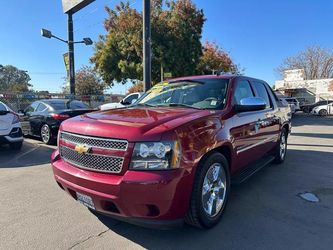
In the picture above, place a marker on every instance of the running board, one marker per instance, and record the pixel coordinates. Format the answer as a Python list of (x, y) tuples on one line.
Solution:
[(248, 171)]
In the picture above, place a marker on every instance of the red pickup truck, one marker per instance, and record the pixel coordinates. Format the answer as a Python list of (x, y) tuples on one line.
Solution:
[(172, 156)]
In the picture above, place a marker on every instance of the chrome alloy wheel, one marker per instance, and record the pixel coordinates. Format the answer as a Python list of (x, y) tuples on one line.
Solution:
[(214, 190), (45, 133), (283, 146)]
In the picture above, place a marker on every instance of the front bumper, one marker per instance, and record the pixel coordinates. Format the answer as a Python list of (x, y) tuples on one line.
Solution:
[(154, 199), (314, 112)]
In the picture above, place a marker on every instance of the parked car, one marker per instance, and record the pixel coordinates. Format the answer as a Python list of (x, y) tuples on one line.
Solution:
[(290, 105), (308, 108), (294, 102), (10, 128), (128, 100), (323, 110), (43, 118), (173, 155)]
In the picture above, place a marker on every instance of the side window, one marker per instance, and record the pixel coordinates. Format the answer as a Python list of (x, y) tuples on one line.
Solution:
[(32, 107), (131, 98), (262, 92), (243, 90), (41, 107)]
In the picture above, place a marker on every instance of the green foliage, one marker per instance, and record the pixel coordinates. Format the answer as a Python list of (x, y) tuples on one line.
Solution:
[(214, 59), (137, 87), (13, 79), (176, 33), (87, 82)]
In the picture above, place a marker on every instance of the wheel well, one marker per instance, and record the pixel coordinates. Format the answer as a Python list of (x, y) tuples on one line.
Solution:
[(224, 150), (41, 125), (287, 127)]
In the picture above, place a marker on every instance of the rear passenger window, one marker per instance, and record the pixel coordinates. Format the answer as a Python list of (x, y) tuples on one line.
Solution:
[(32, 107), (262, 92), (41, 107), (243, 90)]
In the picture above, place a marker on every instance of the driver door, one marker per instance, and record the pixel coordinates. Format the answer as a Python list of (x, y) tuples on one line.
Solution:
[(26, 117), (245, 132)]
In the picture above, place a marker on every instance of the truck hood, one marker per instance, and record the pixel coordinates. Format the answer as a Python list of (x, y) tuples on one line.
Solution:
[(133, 124)]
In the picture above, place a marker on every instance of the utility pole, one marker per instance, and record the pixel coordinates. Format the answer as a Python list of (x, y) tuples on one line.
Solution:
[(146, 45), (71, 54)]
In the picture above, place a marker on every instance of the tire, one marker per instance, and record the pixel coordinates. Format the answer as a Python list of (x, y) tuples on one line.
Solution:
[(200, 214), (46, 134), (16, 145), (281, 148), (323, 112)]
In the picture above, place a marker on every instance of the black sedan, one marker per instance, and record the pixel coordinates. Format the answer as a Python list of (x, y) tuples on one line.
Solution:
[(42, 118)]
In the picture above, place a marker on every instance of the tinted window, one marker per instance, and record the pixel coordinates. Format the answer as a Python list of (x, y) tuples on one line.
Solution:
[(32, 107), (41, 107), (57, 105), (262, 92), (67, 104), (243, 90), (76, 105), (2, 107)]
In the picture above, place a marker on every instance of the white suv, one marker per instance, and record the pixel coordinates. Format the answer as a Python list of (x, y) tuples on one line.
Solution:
[(10, 128)]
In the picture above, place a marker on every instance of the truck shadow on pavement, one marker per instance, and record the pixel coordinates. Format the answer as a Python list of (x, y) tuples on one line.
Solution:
[(311, 120), (263, 211), (29, 155), (315, 135)]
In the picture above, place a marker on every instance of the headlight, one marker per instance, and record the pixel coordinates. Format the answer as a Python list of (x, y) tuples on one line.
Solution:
[(156, 155)]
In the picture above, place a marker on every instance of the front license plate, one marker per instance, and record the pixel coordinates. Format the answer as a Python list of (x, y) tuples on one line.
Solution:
[(85, 200)]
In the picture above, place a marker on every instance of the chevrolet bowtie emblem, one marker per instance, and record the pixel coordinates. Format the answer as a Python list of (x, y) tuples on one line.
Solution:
[(82, 149)]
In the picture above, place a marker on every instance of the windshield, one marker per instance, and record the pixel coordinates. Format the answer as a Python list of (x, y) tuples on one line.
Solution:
[(201, 94)]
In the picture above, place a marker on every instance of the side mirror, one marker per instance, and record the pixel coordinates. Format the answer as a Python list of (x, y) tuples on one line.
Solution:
[(251, 104)]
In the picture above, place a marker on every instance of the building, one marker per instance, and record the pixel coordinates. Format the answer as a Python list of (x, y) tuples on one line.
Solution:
[(306, 91)]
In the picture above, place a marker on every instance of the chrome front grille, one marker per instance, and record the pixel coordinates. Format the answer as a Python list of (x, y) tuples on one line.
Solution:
[(100, 163), (113, 144), (91, 160)]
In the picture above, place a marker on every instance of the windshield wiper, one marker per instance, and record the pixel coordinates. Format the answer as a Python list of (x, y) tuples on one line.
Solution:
[(193, 81), (181, 105), (144, 105)]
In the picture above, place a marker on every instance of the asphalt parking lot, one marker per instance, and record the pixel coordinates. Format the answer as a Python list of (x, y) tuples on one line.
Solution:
[(264, 212)]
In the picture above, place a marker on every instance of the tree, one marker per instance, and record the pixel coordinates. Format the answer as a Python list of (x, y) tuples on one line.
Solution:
[(176, 33), (13, 79), (138, 87), (317, 63), (87, 82), (214, 59)]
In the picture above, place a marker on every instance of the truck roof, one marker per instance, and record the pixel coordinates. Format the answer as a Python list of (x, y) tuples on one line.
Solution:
[(224, 76)]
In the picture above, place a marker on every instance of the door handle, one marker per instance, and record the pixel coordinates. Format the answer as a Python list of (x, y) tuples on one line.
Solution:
[(260, 122)]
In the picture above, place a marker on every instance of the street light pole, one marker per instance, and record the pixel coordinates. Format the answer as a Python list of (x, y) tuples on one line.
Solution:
[(146, 45), (71, 54)]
